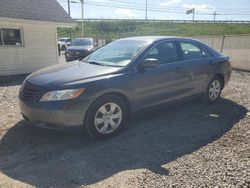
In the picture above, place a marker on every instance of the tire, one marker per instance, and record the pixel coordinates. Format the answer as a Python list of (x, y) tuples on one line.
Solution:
[(63, 48), (106, 117), (214, 89)]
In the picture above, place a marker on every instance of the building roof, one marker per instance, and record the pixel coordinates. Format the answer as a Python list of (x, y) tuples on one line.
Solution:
[(42, 10)]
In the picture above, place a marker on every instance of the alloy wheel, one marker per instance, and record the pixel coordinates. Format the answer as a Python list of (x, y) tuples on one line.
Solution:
[(214, 90), (108, 118)]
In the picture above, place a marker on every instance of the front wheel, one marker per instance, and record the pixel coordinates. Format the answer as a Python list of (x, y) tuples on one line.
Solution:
[(214, 90), (106, 117)]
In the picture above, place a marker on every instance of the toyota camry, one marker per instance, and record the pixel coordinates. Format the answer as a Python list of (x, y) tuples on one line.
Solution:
[(100, 91)]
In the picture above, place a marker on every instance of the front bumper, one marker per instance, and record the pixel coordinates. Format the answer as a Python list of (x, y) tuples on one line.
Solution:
[(55, 115)]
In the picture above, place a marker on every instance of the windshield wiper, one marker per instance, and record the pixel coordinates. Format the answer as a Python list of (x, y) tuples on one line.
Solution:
[(95, 63), (115, 65), (102, 64)]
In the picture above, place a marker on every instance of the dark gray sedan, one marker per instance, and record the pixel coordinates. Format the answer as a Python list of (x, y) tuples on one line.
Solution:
[(80, 48), (122, 77)]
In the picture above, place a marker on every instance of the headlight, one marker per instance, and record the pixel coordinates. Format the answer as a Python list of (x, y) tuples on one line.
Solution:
[(62, 94)]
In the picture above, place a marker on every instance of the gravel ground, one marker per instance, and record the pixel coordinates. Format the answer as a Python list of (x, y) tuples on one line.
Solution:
[(188, 144)]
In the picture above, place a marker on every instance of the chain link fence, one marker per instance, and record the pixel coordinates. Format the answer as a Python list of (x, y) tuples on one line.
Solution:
[(236, 47)]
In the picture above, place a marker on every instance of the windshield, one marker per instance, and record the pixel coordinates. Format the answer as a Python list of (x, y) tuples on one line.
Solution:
[(82, 42), (118, 53), (62, 40)]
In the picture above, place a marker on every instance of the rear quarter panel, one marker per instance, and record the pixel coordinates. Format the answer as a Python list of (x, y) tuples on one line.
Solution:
[(222, 67), (220, 64)]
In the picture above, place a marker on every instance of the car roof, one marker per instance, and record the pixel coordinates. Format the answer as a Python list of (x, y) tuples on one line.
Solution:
[(84, 38), (155, 38)]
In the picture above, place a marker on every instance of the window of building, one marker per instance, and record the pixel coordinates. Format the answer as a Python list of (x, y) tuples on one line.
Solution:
[(10, 37), (1, 39)]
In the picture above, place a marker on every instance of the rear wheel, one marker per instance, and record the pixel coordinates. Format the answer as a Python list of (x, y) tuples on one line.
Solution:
[(214, 90), (106, 117)]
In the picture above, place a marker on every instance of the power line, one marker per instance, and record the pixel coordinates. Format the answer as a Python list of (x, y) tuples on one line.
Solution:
[(141, 5), (159, 10), (171, 7), (134, 8), (155, 9), (179, 7)]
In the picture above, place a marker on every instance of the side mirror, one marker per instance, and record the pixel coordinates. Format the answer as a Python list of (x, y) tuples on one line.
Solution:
[(149, 63)]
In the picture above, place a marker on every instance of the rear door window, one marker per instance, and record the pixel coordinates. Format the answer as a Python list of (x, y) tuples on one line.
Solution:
[(206, 52), (192, 51)]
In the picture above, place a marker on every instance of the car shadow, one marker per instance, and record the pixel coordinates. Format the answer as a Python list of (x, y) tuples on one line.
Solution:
[(155, 137)]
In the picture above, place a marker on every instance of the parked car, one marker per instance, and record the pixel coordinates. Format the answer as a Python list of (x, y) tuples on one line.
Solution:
[(122, 77), (64, 43), (80, 48)]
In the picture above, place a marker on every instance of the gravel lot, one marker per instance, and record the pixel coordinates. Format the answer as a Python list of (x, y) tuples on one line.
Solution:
[(188, 144)]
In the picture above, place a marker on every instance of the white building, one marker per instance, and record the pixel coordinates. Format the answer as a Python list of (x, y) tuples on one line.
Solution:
[(28, 34)]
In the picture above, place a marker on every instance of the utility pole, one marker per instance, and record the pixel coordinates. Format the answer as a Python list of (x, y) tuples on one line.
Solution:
[(69, 7), (146, 13), (70, 31), (193, 13), (82, 3), (215, 14)]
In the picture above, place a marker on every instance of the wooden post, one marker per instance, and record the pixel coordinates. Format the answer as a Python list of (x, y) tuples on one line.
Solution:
[(222, 44)]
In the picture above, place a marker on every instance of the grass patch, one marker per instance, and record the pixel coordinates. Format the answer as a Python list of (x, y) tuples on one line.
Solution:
[(110, 30)]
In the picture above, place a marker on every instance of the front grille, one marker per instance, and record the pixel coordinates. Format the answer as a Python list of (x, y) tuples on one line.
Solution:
[(79, 53), (29, 92)]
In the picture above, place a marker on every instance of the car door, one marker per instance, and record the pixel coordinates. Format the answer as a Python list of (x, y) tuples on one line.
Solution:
[(165, 82), (197, 62)]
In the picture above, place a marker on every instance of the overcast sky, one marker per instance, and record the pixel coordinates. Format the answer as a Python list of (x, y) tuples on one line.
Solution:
[(162, 9)]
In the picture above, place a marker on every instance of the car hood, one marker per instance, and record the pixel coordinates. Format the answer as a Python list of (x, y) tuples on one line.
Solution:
[(64, 74), (70, 48)]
